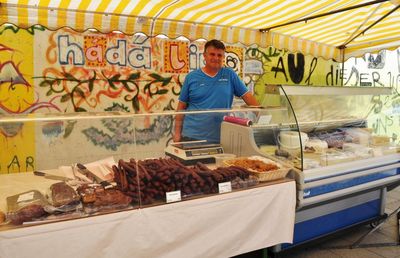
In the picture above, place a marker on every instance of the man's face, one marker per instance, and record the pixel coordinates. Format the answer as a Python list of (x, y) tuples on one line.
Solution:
[(214, 58)]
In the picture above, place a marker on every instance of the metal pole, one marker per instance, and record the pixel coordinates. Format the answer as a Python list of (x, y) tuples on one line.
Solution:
[(324, 14)]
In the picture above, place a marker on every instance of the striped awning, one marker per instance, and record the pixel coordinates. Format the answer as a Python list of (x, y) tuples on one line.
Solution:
[(320, 28)]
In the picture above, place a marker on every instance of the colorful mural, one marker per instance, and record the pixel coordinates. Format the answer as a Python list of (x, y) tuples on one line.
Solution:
[(63, 71), (17, 142)]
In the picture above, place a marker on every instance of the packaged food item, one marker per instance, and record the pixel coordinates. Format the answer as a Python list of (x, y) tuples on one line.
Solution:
[(358, 135), (63, 194), (62, 199), (334, 139), (380, 140), (334, 157), (317, 145), (26, 206), (359, 150), (97, 199)]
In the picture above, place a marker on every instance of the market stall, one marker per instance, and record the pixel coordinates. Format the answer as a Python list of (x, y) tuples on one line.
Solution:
[(74, 66)]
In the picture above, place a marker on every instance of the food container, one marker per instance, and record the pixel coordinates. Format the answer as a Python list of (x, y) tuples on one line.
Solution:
[(263, 176), (221, 158), (289, 141)]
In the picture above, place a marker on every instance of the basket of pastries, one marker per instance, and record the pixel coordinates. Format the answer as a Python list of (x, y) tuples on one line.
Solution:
[(263, 168)]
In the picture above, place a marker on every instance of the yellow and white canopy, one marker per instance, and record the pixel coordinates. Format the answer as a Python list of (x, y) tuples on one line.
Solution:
[(319, 28)]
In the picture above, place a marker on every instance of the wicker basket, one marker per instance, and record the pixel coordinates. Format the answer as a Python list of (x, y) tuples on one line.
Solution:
[(266, 175), (270, 175)]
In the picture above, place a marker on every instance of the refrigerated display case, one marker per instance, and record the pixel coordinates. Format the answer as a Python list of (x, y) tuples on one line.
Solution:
[(343, 164)]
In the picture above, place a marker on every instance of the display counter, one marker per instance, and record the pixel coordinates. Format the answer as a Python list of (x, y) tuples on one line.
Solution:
[(113, 184), (217, 226), (342, 163)]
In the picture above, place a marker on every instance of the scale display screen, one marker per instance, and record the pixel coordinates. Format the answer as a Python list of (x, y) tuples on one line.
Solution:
[(202, 152)]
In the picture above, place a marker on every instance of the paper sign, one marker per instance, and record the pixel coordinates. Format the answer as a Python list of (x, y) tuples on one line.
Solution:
[(174, 196), (25, 197), (225, 187), (264, 119)]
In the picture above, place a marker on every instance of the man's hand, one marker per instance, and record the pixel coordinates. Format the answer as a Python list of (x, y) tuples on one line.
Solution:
[(250, 99)]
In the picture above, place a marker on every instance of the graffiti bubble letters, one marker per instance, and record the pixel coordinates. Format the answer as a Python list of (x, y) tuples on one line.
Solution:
[(176, 57), (69, 53), (97, 53), (94, 48), (196, 59)]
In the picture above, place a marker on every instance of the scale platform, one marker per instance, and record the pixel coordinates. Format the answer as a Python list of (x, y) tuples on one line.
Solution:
[(189, 153)]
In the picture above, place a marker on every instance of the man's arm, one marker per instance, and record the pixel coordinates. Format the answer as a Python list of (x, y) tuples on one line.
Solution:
[(179, 122), (250, 99)]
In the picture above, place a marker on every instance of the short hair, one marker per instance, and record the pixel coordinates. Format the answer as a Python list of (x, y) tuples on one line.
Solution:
[(214, 43)]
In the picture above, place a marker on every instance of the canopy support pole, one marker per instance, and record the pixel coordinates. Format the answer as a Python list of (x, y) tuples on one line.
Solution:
[(370, 26), (342, 53), (324, 14)]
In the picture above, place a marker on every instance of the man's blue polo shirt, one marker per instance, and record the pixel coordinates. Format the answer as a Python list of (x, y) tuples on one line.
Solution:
[(202, 92)]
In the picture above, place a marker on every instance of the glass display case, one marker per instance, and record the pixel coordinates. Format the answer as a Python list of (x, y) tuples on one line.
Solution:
[(341, 143), (85, 164)]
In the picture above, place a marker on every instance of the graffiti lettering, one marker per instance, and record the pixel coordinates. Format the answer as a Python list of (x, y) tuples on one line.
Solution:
[(332, 79), (176, 62), (65, 49), (14, 164), (364, 80), (279, 68), (355, 72), (375, 79), (96, 54), (117, 55), (94, 50), (194, 57), (381, 124), (29, 163), (296, 72), (313, 65), (137, 57)]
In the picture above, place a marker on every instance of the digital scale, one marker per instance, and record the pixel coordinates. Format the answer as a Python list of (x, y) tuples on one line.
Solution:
[(189, 153)]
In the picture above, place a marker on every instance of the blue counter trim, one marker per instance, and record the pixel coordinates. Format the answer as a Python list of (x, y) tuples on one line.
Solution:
[(347, 172), (323, 189), (330, 223)]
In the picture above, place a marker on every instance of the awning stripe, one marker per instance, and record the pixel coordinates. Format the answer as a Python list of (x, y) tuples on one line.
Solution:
[(232, 21)]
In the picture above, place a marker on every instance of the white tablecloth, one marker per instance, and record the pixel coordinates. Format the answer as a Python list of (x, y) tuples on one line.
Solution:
[(216, 226)]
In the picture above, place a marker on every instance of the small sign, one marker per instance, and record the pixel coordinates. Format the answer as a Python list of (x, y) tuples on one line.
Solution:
[(225, 187), (174, 196), (25, 197), (264, 119)]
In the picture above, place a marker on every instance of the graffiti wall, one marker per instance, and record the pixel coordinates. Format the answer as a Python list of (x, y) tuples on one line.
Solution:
[(378, 70), (64, 72)]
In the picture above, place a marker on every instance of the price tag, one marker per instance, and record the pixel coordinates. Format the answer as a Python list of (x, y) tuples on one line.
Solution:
[(174, 196), (25, 197), (225, 187)]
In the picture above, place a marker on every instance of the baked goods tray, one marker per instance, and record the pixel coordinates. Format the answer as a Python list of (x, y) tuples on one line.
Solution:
[(274, 170)]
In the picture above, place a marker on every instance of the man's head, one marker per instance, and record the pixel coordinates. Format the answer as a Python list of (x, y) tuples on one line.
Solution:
[(214, 55)]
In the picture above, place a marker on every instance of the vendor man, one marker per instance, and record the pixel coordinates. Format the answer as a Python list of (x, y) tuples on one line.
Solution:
[(211, 87)]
